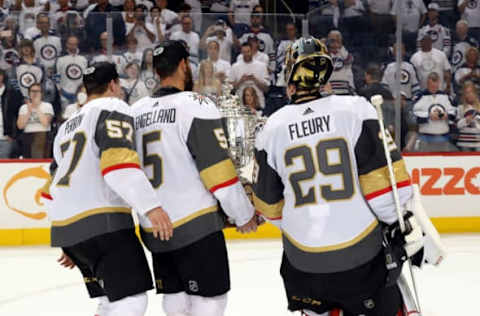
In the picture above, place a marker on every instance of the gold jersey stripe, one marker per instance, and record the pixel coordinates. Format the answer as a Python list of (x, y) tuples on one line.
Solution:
[(115, 156), (271, 211), (379, 179), (219, 173), (342, 245), (95, 211), (189, 218)]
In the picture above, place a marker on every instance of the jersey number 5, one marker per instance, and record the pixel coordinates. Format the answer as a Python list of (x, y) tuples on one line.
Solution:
[(153, 159), (326, 168)]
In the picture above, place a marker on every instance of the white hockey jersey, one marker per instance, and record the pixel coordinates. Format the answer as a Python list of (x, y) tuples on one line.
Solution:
[(321, 176), (428, 103), (26, 75), (459, 51), (92, 150), (47, 50), (408, 78), (183, 149), (440, 35), (70, 69)]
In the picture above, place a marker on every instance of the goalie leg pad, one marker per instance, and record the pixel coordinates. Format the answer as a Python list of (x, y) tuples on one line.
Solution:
[(135, 305), (177, 304), (102, 306), (208, 306), (307, 312)]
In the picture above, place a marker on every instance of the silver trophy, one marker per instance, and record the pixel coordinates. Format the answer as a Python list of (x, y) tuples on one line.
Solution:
[(241, 126)]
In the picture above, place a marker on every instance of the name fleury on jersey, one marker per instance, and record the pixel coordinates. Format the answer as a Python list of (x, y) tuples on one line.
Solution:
[(313, 126)]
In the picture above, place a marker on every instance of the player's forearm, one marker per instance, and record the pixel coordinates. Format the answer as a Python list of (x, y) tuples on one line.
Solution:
[(132, 185), (235, 203)]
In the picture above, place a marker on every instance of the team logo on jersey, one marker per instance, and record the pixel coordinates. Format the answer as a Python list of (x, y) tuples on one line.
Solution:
[(201, 98), (338, 63), (27, 79), (11, 57), (404, 77), (151, 83), (472, 4), (48, 52), (457, 58), (437, 108), (433, 35), (428, 64), (74, 72)]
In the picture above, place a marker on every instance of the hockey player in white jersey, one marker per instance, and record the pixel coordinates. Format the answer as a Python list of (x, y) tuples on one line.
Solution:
[(321, 176), (183, 149), (96, 180)]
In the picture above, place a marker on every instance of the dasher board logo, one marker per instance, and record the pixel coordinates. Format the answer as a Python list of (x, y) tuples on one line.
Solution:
[(74, 72), (27, 79), (48, 52)]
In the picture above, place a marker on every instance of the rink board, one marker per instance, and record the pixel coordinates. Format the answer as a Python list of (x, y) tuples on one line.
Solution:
[(449, 184)]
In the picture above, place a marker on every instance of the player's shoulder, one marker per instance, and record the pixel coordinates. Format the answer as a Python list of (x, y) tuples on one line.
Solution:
[(198, 105), (107, 104)]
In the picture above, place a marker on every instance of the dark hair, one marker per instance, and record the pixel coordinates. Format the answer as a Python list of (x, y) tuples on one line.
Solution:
[(143, 66), (36, 84), (185, 7), (155, 7), (373, 70), (167, 56), (247, 43), (256, 7), (97, 77)]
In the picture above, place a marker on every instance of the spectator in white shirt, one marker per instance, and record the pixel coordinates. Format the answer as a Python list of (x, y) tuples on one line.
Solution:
[(190, 37), (439, 34), (184, 10), (48, 47), (74, 108), (133, 53), (142, 30), (462, 42), (248, 72), (155, 18), (224, 36), (35, 118), (133, 86), (169, 17), (429, 60), (256, 54), (470, 9), (221, 67), (240, 11), (414, 14)]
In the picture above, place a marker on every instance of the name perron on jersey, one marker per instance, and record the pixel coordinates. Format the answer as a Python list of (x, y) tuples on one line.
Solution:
[(182, 148), (321, 176), (97, 140)]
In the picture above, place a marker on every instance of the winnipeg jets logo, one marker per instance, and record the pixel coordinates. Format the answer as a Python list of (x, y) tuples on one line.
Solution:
[(472, 4), (27, 79), (200, 98), (338, 63), (48, 52), (74, 72), (404, 77), (457, 58), (433, 35)]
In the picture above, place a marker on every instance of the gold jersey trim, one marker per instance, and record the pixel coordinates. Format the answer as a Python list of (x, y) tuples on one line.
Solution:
[(379, 179), (271, 211), (95, 211), (339, 246), (189, 218), (218, 173), (116, 156)]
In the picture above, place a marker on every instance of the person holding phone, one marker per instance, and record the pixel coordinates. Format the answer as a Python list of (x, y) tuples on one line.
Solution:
[(35, 118)]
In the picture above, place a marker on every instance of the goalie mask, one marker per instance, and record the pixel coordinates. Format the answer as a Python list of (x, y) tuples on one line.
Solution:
[(307, 64)]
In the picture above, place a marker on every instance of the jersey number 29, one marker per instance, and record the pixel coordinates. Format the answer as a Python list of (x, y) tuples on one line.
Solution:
[(325, 167)]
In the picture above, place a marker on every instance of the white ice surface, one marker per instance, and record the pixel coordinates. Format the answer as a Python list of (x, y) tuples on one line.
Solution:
[(32, 283)]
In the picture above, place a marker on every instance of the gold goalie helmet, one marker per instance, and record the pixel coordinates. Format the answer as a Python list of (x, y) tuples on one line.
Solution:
[(307, 63)]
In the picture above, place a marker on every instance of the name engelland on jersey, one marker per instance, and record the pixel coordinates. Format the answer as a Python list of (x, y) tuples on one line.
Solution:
[(157, 116), (310, 127)]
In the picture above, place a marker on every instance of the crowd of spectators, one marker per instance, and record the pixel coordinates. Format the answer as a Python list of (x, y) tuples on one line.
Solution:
[(46, 46)]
